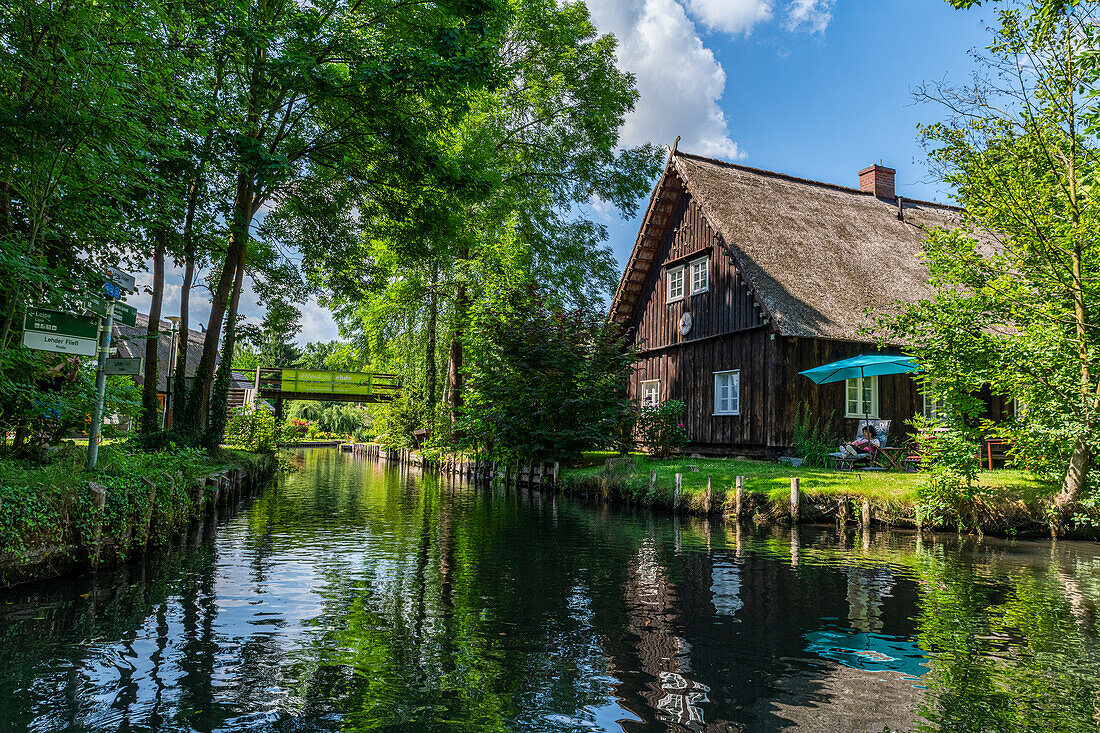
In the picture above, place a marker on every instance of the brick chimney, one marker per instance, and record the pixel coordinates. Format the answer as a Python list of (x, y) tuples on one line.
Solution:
[(879, 180)]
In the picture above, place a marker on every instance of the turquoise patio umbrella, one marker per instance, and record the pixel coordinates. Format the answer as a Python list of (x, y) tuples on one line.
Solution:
[(867, 365)]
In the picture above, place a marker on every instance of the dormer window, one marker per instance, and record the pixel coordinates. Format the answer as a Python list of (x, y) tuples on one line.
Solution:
[(675, 284), (700, 275)]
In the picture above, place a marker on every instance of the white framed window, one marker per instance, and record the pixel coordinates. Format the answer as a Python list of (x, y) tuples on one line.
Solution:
[(675, 284), (651, 392), (700, 275), (861, 397), (934, 409), (727, 392)]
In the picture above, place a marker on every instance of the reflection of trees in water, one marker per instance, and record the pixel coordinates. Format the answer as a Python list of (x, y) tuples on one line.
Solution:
[(1015, 644), (358, 599)]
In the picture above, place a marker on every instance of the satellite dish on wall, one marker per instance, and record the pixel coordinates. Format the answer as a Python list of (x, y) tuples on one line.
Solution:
[(685, 324)]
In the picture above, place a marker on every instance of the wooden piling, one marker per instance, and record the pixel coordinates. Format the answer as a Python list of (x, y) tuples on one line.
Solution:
[(794, 499), (739, 491), (676, 493), (865, 513)]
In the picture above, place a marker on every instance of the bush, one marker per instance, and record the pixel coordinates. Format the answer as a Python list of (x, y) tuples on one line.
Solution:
[(660, 429), (951, 489), (545, 380), (810, 440), (254, 429)]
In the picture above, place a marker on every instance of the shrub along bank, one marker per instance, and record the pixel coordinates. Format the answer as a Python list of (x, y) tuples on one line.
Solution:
[(1010, 500), (56, 516)]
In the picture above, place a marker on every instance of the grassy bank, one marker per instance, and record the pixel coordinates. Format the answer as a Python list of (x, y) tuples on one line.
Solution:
[(1014, 495), (55, 515)]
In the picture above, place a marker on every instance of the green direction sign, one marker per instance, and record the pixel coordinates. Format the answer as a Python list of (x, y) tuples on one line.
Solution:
[(123, 365), (125, 315), (47, 330)]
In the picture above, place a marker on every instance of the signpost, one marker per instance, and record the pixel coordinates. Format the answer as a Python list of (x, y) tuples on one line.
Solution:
[(121, 279), (125, 315), (116, 280), (47, 330), (120, 365), (100, 389)]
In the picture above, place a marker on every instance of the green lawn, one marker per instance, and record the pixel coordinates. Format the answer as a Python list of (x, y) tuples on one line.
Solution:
[(774, 480)]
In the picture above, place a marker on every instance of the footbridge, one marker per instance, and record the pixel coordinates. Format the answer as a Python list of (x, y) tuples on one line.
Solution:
[(314, 384)]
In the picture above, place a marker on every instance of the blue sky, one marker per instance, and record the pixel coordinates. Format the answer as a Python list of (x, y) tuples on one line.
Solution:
[(813, 88)]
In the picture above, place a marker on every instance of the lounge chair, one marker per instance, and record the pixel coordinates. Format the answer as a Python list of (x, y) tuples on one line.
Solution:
[(843, 461)]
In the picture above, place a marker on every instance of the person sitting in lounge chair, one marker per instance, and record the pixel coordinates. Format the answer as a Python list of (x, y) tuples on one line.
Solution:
[(863, 445)]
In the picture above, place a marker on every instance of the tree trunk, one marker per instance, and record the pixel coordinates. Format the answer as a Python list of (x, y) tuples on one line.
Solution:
[(179, 387), (1074, 483), (429, 361), (454, 371), (219, 399), (149, 421), (198, 401)]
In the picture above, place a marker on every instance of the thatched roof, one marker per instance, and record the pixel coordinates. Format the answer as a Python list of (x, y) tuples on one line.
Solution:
[(129, 341), (817, 256)]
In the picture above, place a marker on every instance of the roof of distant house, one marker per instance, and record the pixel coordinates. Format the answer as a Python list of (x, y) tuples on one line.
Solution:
[(130, 342)]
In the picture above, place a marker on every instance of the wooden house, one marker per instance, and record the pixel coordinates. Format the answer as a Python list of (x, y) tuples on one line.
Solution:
[(741, 278)]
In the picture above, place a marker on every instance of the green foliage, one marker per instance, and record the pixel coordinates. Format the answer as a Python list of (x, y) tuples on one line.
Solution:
[(404, 417), (660, 428), (337, 418), (547, 381), (271, 344), (811, 440), (253, 428), (41, 409), (1017, 311), (49, 506), (949, 454)]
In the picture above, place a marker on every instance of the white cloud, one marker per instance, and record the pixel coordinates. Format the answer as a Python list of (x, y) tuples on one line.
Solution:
[(317, 321), (731, 16), (678, 78), (811, 16), (603, 208)]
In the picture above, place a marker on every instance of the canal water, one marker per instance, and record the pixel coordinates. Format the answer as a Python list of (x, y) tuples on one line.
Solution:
[(352, 597)]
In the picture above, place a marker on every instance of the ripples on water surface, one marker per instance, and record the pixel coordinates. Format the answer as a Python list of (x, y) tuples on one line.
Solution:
[(350, 597)]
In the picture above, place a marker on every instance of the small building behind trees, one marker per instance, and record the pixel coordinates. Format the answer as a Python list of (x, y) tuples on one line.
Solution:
[(129, 342), (740, 278)]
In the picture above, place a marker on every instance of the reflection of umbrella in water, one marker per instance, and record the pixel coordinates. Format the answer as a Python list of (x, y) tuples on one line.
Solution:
[(869, 652)]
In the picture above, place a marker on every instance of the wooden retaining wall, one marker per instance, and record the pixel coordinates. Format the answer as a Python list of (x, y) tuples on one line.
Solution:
[(515, 472)]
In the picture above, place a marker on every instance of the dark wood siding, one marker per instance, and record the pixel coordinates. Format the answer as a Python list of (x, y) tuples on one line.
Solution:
[(771, 390), (687, 371), (725, 307), (898, 395)]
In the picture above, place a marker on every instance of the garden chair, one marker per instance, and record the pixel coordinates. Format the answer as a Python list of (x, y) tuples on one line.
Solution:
[(843, 461)]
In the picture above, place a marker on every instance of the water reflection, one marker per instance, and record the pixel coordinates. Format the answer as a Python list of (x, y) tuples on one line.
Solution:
[(350, 597)]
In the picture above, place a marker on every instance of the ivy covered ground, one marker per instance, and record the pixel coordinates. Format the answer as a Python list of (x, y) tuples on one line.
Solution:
[(48, 512)]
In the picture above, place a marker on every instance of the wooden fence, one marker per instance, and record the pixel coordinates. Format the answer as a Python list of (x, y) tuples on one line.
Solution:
[(525, 474)]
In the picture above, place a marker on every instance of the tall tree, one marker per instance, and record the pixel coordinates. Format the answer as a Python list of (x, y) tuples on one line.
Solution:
[(536, 148), (1017, 297), (313, 85)]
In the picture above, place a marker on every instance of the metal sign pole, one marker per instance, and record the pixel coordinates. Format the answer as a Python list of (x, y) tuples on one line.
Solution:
[(100, 389)]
